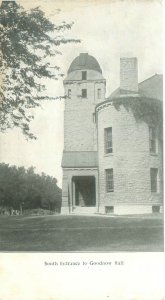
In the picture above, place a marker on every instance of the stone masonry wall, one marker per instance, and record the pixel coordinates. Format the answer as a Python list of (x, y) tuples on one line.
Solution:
[(79, 126), (130, 160)]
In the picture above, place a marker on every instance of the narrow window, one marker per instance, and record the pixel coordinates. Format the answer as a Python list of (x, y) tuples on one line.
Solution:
[(108, 140), (154, 179), (109, 180), (84, 75), (155, 209), (99, 93), (69, 93), (94, 118), (152, 139), (84, 93)]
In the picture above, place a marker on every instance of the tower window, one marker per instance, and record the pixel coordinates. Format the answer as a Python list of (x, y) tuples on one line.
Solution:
[(84, 93), (69, 93), (154, 180), (108, 140), (152, 139), (94, 118), (84, 75), (99, 93), (109, 180)]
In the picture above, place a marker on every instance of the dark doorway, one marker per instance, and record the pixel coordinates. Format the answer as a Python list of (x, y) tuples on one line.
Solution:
[(85, 191)]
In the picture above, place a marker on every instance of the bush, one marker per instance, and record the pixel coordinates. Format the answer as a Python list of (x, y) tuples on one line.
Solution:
[(38, 212)]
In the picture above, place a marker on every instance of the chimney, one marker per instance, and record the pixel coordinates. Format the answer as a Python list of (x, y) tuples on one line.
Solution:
[(128, 75)]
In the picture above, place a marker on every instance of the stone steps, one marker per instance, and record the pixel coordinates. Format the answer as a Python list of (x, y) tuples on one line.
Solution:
[(84, 210)]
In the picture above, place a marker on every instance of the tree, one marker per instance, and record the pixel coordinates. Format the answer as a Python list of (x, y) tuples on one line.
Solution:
[(21, 188), (28, 41)]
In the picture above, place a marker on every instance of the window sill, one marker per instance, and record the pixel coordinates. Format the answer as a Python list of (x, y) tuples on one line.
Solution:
[(153, 154), (108, 154), (109, 192), (155, 193)]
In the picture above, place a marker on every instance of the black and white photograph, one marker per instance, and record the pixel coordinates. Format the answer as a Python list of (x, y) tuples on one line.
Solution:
[(81, 150), (81, 113)]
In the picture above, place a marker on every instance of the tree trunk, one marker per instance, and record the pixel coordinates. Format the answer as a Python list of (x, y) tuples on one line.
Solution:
[(20, 207)]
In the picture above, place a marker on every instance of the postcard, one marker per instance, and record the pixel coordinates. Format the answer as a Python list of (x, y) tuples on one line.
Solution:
[(81, 150)]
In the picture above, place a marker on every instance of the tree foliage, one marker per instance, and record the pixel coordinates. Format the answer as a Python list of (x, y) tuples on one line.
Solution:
[(24, 188), (148, 110), (28, 41)]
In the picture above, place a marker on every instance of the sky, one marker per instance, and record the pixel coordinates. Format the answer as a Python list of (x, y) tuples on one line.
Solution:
[(108, 30)]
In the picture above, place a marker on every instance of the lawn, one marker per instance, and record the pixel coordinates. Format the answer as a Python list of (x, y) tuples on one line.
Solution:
[(81, 233)]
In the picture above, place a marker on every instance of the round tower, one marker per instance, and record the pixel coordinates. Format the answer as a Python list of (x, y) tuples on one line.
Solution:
[(129, 148)]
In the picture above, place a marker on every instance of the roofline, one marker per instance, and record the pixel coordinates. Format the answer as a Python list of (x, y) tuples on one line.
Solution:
[(150, 78), (118, 88), (89, 80), (79, 151), (124, 97), (85, 69), (79, 166)]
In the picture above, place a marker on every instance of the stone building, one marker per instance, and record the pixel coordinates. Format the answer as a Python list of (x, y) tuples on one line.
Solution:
[(112, 158)]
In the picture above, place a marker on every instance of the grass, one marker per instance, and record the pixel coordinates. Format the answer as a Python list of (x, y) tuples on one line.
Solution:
[(81, 233)]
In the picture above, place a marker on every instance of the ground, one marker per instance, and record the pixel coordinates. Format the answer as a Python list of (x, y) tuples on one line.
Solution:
[(82, 233)]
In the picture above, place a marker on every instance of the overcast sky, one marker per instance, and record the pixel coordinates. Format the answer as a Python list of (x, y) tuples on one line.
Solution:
[(108, 30)]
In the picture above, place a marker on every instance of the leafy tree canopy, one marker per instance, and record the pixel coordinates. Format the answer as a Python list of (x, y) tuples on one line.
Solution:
[(21, 187), (27, 41)]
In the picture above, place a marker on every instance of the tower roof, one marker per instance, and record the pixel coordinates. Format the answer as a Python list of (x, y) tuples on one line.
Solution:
[(84, 61)]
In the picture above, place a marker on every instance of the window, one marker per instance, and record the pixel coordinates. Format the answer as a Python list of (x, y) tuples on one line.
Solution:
[(99, 93), (155, 209), (108, 140), (154, 180), (152, 139), (69, 93), (84, 75), (94, 118), (109, 209), (84, 93), (109, 180)]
